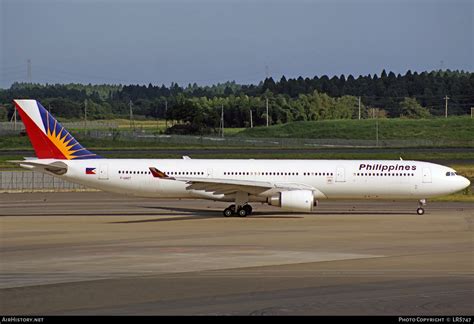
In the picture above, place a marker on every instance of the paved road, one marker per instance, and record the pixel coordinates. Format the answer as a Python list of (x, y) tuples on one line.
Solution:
[(97, 253)]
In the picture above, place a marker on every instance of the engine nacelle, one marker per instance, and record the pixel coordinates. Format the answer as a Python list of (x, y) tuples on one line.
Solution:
[(297, 200)]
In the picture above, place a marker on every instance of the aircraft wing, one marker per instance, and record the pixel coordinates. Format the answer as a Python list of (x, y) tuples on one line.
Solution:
[(229, 186)]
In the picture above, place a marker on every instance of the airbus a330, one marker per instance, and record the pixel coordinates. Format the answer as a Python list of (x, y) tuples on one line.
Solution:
[(294, 185)]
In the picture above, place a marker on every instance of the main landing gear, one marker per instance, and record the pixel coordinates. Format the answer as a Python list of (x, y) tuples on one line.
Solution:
[(421, 210), (242, 211)]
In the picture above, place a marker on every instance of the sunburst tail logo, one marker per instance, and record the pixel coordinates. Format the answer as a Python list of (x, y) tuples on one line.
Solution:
[(48, 137)]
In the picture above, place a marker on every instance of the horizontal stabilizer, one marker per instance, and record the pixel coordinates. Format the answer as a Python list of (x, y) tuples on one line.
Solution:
[(56, 167)]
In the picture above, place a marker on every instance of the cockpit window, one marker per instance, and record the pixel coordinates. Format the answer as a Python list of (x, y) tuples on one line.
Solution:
[(450, 174)]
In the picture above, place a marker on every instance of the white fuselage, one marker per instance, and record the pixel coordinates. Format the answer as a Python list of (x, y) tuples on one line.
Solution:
[(349, 179)]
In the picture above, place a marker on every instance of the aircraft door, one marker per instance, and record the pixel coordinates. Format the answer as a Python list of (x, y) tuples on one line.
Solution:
[(209, 173), (104, 172), (426, 175), (340, 175)]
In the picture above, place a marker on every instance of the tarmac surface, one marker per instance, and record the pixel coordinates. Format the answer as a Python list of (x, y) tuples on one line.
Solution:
[(101, 254)]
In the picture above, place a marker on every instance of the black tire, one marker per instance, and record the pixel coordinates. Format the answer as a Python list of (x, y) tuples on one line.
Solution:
[(420, 211), (248, 209), (228, 212), (242, 212)]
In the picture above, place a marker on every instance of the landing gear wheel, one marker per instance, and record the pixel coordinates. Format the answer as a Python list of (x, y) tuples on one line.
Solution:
[(228, 212), (242, 212), (248, 209), (421, 203)]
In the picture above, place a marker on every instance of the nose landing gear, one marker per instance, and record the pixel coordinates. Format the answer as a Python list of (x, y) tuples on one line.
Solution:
[(420, 210)]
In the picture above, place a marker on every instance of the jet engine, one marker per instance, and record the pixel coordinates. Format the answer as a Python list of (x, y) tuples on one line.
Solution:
[(297, 200)]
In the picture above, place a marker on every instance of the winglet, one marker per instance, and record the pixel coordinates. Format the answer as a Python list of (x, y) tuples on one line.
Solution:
[(159, 174)]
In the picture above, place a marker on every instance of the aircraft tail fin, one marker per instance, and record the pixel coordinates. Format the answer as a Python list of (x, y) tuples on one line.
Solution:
[(49, 138)]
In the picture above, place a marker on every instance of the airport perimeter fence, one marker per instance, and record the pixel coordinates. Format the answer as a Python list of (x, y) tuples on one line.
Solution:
[(11, 128), (29, 181)]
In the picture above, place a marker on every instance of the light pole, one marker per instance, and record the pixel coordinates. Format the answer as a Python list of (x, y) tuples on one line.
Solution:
[(130, 105), (85, 114), (221, 123), (166, 113), (266, 100), (359, 108), (446, 98)]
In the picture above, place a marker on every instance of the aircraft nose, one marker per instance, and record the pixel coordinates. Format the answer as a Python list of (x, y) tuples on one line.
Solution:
[(464, 182)]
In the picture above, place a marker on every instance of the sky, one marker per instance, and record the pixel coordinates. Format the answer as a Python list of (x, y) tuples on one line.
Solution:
[(211, 41)]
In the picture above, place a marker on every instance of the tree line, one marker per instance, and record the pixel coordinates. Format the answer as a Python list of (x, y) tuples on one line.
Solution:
[(198, 108)]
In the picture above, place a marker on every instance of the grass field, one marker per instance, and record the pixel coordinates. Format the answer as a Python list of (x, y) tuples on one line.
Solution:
[(453, 128), (158, 125)]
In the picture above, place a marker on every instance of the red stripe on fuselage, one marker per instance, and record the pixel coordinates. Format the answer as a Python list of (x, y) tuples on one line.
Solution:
[(42, 145)]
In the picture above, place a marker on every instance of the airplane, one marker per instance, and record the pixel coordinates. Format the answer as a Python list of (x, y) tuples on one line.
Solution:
[(293, 185)]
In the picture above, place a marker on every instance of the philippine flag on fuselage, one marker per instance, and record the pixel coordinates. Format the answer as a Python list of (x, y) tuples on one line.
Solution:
[(90, 170)]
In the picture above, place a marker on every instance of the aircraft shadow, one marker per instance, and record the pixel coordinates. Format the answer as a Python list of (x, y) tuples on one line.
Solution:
[(195, 214), (164, 219), (92, 214), (219, 212), (194, 211), (277, 213), (177, 214)]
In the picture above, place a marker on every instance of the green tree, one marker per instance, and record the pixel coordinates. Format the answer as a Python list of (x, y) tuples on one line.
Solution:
[(410, 108)]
